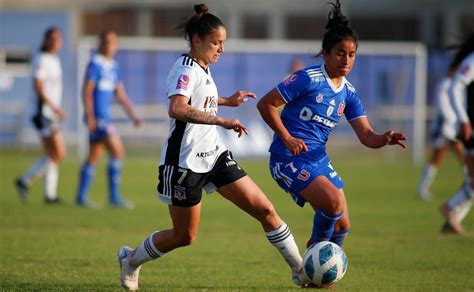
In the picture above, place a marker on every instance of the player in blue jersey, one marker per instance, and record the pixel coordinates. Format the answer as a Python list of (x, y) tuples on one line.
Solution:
[(103, 82), (315, 98)]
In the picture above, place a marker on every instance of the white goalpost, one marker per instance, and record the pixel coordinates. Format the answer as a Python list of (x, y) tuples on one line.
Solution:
[(410, 114)]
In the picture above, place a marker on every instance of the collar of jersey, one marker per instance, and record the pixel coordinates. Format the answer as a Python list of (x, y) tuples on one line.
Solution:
[(196, 61), (338, 89)]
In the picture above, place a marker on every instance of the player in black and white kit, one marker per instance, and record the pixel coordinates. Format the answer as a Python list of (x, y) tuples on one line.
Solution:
[(194, 157), (461, 94), (47, 82)]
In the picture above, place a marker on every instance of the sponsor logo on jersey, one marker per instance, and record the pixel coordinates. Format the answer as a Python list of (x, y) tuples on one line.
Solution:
[(207, 153), (319, 98), (329, 111), (340, 109), (290, 79), (303, 175), (179, 193), (208, 82), (183, 82), (332, 102), (306, 114)]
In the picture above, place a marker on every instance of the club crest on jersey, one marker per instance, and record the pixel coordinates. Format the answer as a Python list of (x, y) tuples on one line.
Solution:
[(179, 193), (319, 98), (329, 111), (340, 109), (183, 82), (290, 79)]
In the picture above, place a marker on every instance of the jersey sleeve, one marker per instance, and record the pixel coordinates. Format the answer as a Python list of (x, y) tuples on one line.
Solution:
[(354, 108), (92, 72), (40, 66), (182, 82), (294, 86), (457, 91)]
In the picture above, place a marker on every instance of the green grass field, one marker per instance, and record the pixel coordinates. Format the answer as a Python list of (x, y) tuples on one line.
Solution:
[(394, 244)]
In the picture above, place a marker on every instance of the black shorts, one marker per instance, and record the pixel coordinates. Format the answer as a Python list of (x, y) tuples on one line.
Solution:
[(45, 126), (183, 187)]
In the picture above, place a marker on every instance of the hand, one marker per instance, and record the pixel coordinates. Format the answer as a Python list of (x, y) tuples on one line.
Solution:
[(466, 131), (235, 125), (295, 145), (239, 98), (59, 112), (91, 125), (393, 138), (137, 122)]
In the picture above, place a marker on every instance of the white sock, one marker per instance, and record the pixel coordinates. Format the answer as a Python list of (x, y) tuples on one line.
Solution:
[(461, 211), (146, 251), (35, 170), (427, 177), (465, 171), (283, 240), (464, 194), (51, 180)]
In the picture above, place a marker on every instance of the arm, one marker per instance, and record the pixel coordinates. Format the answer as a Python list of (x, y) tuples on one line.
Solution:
[(89, 87), (268, 108), (38, 86), (180, 109), (236, 99), (457, 92), (368, 137), (124, 100)]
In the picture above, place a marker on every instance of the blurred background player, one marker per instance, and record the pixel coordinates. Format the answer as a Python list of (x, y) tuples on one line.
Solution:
[(47, 84), (315, 98), (194, 157), (461, 94), (445, 134), (102, 82)]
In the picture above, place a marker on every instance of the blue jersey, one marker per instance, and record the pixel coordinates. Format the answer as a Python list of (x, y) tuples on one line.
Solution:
[(313, 108), (105, 74)]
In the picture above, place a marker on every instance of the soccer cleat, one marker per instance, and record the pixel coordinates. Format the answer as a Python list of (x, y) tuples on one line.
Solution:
[(450, 219), (123, 204), (424, 194), (22, 189), (55, 201), (299, 277), (128, 274), (88, 205)]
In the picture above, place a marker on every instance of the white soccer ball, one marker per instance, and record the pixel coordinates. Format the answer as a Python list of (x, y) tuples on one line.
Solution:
[(325, 263)]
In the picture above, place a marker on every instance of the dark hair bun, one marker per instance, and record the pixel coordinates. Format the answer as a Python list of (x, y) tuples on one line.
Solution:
[(335, 17), (201, 9)]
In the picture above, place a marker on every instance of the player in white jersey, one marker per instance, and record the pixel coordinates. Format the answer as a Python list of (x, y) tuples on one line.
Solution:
[(461, 94), (445, 134), (47, 81), (194, 157)]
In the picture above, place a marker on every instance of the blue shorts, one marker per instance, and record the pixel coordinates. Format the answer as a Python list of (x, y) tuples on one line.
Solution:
[(294, 175), (101, 132)]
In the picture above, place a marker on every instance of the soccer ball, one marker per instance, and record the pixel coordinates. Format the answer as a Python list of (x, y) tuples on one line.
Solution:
[(325, 263)]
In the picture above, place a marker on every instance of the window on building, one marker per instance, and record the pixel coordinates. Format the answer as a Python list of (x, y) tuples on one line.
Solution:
[(121, 20), (255, 26), (166, 19)]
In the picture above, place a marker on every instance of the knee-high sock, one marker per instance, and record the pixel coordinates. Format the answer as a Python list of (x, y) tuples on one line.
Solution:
[(85, 179), (323, 225), (339, 236), (429, 173), (51, 180), (146, 251), (283, 240), (464, 194), (114, 172), (35, 170), (461, 210)]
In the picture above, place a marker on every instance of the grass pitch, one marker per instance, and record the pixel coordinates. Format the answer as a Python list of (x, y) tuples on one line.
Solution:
[(394, 243)]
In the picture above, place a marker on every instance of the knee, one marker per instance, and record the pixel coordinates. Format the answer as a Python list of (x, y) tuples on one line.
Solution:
[(342, 224), (267, 214), (185, 239), (336, 205)]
